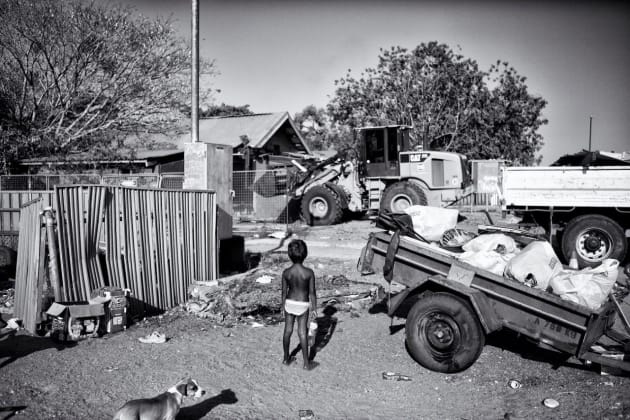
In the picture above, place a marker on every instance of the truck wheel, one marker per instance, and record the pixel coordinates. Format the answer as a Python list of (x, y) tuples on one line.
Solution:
[(443, 333), (321, 206), (594, 238), (401, 195)]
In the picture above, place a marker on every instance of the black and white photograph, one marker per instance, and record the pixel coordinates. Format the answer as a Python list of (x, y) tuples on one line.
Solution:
[(292, 209)]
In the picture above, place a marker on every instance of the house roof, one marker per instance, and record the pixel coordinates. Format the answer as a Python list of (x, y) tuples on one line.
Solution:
[(258, 128)]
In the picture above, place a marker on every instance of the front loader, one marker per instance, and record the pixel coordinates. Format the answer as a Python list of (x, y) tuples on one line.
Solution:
[(387, 176)]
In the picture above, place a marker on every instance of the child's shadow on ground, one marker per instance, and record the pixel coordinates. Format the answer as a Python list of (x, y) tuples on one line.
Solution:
[(197, 411), (326, 325)]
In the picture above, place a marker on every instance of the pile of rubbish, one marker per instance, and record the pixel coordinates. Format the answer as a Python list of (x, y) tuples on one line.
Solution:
[(256, 294), (530, 260)]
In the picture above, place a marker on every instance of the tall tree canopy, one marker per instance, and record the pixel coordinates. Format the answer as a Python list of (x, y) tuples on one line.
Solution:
[(75, 73), (320, 131), (451, 104), (225, 110)]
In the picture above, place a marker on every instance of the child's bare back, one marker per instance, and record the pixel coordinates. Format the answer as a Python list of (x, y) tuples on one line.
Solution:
[(298, 280)]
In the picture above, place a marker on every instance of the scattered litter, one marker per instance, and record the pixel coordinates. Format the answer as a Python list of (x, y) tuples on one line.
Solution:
[(111, 369), (306, 414), (153, 338), (514, 384), (609, 384), (551, 403), (392, 376), (257, 324), (278, 235), (266, 279)]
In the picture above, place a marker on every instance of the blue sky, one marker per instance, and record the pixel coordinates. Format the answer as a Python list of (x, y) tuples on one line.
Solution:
[(285, 55)]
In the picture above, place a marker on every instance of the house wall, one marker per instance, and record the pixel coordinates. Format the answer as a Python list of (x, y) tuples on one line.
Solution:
[(281, 142)]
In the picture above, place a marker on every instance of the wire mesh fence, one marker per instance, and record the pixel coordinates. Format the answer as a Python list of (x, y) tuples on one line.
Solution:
[(132, 180), (45, 182), (260, 195)]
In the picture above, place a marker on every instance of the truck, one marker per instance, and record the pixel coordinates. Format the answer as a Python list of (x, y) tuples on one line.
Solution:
[(451, 307), (387, 174), (582, 201)]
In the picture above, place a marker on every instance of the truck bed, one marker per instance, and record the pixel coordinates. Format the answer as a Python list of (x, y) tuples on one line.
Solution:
[(537, 314), (566, 186)]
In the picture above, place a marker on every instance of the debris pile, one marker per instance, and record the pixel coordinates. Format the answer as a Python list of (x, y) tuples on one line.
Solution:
[(256, 294)]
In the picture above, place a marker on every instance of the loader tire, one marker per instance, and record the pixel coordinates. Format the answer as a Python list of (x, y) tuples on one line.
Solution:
[(321, 206), (594, 238), (397, 197), (443, 333)]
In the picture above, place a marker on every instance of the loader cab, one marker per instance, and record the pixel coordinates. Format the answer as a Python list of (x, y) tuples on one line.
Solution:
[(380, 149)]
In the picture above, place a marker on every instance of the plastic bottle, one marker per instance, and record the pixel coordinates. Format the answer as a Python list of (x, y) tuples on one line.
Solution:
[(312, 333), (573, 262)]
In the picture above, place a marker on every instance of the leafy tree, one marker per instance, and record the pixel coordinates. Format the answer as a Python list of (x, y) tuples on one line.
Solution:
[(320, 131), (451, 104), (224, 110), (76, 76), (314, 125)]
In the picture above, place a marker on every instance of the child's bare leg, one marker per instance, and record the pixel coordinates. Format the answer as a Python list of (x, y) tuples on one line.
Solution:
[(302, 331), (289, 319)]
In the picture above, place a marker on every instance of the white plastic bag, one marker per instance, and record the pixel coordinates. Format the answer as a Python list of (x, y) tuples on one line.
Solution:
[(432, 222), (488, 260), (589, 286), (491, 242), (535, 265)]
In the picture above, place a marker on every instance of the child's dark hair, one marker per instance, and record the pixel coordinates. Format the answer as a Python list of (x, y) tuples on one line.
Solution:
[(297, 251)]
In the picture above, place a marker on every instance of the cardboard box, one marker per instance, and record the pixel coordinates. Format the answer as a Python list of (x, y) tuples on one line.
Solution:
[(75, 321)]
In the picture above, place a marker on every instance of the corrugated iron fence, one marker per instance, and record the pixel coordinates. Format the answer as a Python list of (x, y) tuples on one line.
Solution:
[(156, 242), (151, 241), (30, 265)]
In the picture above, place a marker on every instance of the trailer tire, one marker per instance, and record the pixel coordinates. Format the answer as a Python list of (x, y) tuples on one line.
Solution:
[(321, 206), (401, 195), (443, 333), (594, 238)]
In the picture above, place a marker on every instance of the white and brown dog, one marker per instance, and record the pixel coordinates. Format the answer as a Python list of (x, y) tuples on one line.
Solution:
[(162, 407)]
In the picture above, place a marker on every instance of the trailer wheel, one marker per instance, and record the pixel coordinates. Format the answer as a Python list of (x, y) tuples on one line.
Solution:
[(443, 333), (397, 197), (321, 206), (594, 238)]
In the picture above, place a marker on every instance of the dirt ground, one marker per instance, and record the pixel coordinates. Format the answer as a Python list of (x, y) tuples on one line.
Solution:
[(240, 364)]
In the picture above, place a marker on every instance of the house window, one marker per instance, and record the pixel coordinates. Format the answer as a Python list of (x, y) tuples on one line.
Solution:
[(276, 149)]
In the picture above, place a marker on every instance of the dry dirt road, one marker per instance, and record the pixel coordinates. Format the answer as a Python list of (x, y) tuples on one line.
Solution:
[(241, 370)]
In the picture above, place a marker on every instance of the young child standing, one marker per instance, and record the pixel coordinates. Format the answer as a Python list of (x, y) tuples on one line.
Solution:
[(298, 295)]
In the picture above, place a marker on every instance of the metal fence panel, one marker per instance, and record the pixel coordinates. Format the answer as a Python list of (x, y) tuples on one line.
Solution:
[(155, 242), (29, 266)]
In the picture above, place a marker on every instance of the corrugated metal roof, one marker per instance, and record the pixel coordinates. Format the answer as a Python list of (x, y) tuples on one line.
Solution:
[(258, 128), (219, 130)]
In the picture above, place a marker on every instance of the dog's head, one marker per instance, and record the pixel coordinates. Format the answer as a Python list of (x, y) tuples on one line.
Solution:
[(190, 388)]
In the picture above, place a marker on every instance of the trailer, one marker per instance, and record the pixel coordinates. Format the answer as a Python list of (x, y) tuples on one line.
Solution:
[(455, 306)]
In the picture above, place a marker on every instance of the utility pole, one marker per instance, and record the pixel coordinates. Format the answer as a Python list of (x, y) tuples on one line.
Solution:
[(590, 132), (194, 115)]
